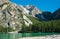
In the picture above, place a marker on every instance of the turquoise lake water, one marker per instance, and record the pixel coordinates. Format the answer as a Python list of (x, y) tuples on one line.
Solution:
[(20, 35)]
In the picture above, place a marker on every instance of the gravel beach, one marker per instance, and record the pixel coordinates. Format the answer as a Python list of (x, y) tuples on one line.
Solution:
[(43, 37)]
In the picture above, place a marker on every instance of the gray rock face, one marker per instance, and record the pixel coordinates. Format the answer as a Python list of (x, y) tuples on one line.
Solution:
[(9, 16), (3, 1)]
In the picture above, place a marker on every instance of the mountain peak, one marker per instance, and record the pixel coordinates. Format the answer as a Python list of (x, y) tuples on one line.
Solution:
[(57, 11), (33, 10), (29, 6)]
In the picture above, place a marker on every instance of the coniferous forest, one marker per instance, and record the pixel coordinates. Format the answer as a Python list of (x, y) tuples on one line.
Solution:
[(42, 26)]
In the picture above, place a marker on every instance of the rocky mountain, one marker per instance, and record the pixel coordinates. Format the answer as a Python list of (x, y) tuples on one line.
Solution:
[(47, 15), (16, 16), (56, 14), (3, 1), (12, 15), (9, 16), (33, 10)]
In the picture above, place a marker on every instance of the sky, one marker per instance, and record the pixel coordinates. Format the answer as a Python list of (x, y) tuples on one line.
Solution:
[(43, 5)]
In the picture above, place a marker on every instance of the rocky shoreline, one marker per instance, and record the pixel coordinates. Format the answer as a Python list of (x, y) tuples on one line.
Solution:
[(43, 37)]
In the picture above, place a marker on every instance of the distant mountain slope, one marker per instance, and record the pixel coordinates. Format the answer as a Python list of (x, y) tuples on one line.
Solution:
[(56, 14), (48, 15)]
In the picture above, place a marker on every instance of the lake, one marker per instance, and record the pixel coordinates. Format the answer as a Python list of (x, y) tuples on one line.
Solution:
[(20, 35)]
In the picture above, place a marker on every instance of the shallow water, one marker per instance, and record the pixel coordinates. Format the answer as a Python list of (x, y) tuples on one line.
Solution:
[(20, 35)]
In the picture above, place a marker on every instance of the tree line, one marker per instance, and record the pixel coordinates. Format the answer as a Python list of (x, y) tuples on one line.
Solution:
[(42, 26)]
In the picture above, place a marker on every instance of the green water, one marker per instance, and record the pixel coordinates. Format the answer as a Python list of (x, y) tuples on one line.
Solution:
[(20, 35), (34, 34), (8, 36)]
